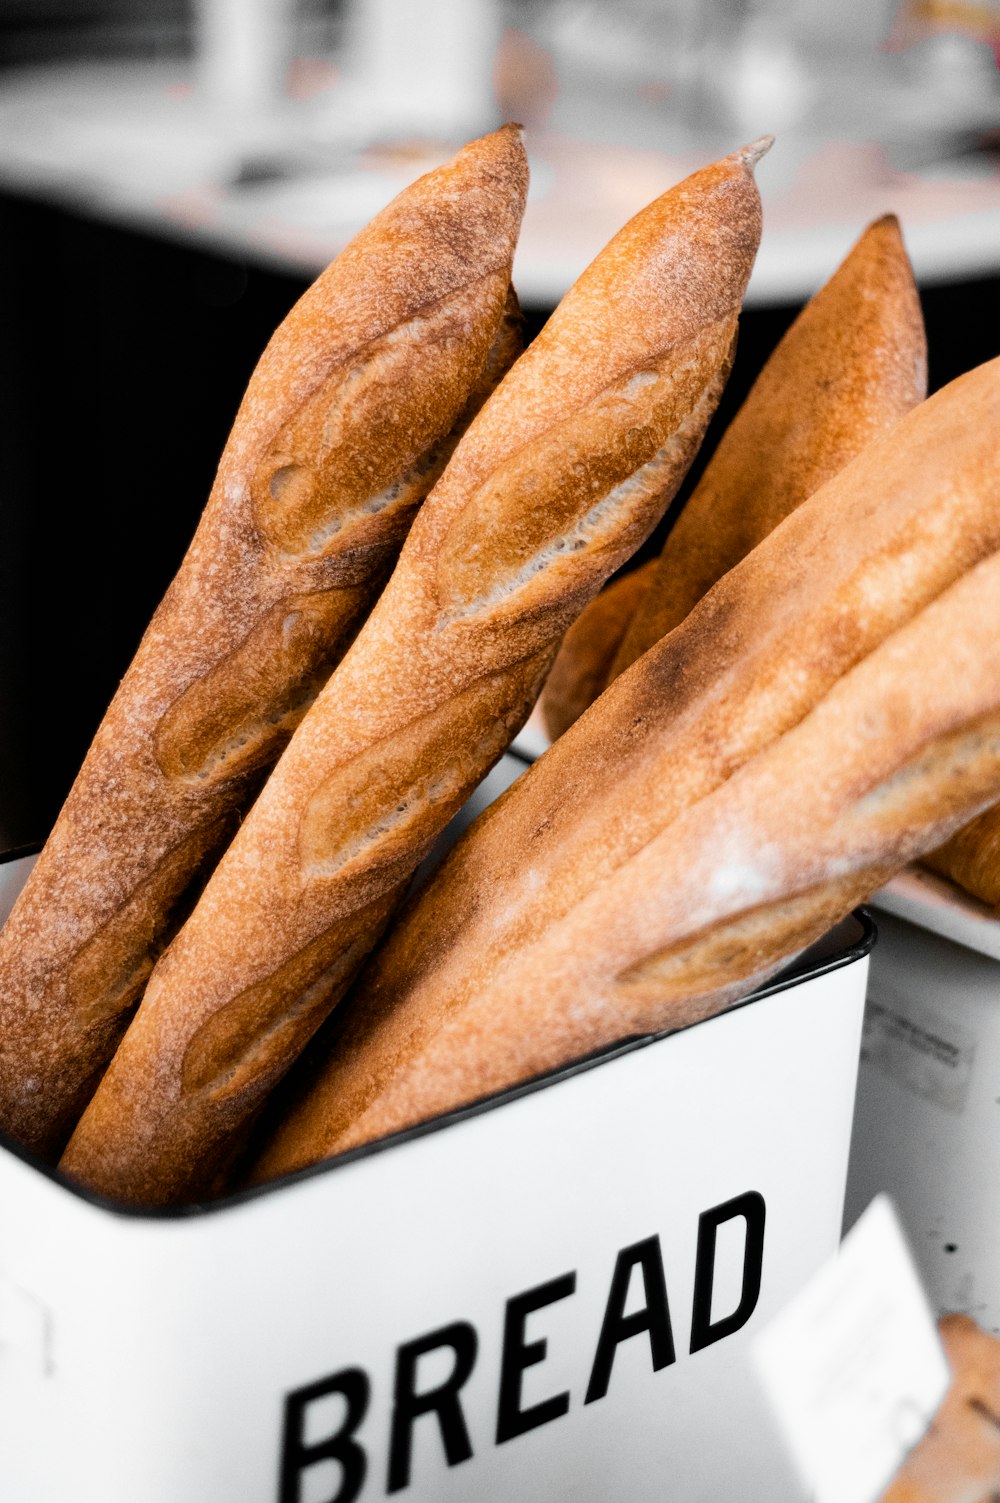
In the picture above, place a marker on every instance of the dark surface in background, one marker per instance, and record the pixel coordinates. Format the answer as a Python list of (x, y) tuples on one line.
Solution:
[(40, 31), (122, 363), (53, 31)]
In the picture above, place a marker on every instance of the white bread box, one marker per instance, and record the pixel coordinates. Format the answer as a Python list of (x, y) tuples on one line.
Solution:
[(549, 1295)]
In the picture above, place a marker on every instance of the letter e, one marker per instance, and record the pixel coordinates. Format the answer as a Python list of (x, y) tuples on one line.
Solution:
[(519, 1354)]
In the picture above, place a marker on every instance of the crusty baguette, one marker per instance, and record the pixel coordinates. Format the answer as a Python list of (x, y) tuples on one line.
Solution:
[(345, 424), (958, 1460), (905, 745), (971, 858), (564, 472), (863, 556), (583, 662), (851, 365)]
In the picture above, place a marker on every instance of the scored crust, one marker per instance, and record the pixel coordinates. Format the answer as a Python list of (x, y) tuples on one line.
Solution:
[(865, 555), (349, 416), (851, 365), (564, 472)]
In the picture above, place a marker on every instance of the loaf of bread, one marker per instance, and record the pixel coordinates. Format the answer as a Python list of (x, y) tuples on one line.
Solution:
[(561, 476), (480, 984), (958, 1460), (583, 662), (851, 365), (348, 419), (971, 858)]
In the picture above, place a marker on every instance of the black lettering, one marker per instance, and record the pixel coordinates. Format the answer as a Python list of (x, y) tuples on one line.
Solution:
[(617, 1327), (519, 1354), (408, 1405), (296, 1456), (751, 1207)]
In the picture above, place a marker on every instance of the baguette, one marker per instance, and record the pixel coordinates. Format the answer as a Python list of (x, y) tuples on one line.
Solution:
[(862, 557), (346, 422), (851, 365), (971, 859), (958, 1460), (583, 662), (564, 472)]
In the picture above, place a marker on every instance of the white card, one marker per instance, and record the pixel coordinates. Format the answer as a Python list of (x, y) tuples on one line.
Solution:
[(853, 1365)]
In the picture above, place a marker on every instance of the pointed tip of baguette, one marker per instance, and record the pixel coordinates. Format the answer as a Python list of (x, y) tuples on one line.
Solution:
[(751, 155), (505, 137), (885, 222), (511, 130)]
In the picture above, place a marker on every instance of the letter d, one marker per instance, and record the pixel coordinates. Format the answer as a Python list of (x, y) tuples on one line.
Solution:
[(751, 1207)]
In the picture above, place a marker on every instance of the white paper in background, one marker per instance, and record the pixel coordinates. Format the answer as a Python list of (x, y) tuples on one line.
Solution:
[(853, 1365)]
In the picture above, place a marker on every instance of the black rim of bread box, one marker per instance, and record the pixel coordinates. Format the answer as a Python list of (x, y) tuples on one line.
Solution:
[(798, 972)]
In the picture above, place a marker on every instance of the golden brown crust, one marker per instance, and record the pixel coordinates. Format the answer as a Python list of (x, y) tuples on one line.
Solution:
[(958, 1460), (585, 655), (346, 421), (500, 560), (851, 365), (851, 567), (971, 858)]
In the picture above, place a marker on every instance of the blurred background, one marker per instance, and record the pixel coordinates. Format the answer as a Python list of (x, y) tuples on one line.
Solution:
[(174, 172)]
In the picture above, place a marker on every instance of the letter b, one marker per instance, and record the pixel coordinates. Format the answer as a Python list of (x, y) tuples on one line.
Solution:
[(297, 1455)]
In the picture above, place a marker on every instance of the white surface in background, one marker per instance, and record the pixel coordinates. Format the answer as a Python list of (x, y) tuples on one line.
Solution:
[(935, 904), (853, 1364), (533, 738), (242, 49), (424, 69), (139, 145), (13, 875)]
